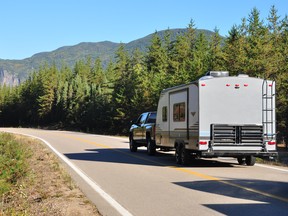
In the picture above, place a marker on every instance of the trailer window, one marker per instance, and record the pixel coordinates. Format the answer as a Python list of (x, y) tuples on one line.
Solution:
[(164, 114), (179, 112)]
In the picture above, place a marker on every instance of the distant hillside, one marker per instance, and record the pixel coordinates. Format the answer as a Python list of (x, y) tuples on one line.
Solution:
[(12, 72)]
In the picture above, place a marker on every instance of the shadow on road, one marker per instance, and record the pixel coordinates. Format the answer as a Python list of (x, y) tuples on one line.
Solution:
[(140, 158), (269, 205), (248, 202)]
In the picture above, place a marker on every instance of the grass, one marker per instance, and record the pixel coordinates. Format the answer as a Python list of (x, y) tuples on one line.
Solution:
[(33, 182), (13, 162)]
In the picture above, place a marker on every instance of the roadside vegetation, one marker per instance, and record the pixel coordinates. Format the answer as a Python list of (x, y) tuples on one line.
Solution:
[(13, 162), (33, 182), (91, 98)]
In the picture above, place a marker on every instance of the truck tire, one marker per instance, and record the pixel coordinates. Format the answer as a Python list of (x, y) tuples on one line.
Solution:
[(151, 147), (181, 154), (250, 160), (132, 144)]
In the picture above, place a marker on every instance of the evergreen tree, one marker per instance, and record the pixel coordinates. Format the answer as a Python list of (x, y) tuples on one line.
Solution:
[(179, 61), (123, 89), (257, 49), (156, 61), (48, 85), (201, 56), (234, 52), (216, 56)]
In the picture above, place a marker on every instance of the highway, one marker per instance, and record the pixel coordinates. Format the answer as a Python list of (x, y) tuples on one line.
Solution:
[(123, 183)]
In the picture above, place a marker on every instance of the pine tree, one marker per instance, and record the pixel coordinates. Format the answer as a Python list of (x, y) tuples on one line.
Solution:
[(216, 56), (234, 52), (179, 61), (257, 49), (123, 89), (156, 61), (200, 64), (48, 85)]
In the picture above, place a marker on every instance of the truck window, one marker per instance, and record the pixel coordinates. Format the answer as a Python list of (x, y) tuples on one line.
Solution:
[(152, 118), (142, 118), (179, 112), (164, 114)]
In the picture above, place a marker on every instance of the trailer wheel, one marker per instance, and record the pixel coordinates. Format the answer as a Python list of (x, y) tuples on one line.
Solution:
[(181, 154), (241, 160), (151, 147), (132, 144), (250, 160), (177, 154)]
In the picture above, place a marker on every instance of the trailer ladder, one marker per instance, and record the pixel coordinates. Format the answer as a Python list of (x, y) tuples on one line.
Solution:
[(268, 109)]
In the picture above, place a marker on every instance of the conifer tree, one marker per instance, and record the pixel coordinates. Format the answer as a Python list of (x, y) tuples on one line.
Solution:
[(201, 56), (48, 85), (216, 56), (123, 88), (156, 61), (257, 49), (234, 52)]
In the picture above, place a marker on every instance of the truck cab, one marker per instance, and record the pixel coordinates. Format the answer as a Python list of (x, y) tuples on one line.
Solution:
[(142, 133)]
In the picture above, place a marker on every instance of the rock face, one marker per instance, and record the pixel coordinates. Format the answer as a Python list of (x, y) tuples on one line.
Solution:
[(8, 79)]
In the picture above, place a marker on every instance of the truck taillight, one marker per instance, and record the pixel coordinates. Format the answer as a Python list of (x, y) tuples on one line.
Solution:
[(202, 142), (272, 142)]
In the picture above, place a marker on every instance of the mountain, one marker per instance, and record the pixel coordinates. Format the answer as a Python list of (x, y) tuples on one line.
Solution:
[(12, 72)]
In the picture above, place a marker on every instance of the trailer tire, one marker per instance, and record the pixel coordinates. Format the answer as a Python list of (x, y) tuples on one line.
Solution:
[(241, 160), (151, 147), (181, 154), (250, 160), (132, 144)]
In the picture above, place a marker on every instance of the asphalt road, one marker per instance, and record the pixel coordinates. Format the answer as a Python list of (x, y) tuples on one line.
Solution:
[(123, 183)]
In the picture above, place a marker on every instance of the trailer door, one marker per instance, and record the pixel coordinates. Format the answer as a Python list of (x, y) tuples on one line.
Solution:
[(178, 115)]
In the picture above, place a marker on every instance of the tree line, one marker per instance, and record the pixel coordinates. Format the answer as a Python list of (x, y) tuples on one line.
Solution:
[(91, 98)]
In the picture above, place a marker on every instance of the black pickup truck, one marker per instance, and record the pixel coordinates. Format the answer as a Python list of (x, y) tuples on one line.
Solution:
[(142, 133)]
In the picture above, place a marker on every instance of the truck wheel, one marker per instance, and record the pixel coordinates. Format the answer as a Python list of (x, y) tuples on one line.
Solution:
[(151, 147), (250, 160), (241, 160), (132, 144)]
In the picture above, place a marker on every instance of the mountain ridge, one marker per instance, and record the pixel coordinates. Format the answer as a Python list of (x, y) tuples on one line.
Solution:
[(12, 72)]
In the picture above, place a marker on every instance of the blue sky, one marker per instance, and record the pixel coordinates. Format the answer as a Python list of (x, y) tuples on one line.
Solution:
[(32, 26)]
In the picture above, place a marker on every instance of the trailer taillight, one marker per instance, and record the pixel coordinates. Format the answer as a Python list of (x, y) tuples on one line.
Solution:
[(203, 84), (203, 142), (245, 85), (271, 142), (227, 85)]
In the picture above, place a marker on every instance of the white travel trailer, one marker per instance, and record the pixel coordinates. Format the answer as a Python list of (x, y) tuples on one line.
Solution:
[(218, 115)]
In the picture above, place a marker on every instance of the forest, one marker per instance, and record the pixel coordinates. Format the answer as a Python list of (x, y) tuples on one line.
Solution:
[(91, 98)]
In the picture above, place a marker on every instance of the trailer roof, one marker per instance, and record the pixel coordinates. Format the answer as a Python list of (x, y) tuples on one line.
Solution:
[(207, 77)]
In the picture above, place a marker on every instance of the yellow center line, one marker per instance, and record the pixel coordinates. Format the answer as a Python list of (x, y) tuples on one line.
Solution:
[(188, 171), (207, 177), (86, 141)]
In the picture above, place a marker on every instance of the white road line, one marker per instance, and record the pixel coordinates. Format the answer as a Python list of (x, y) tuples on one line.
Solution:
[(270, 167), (89, 181)]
